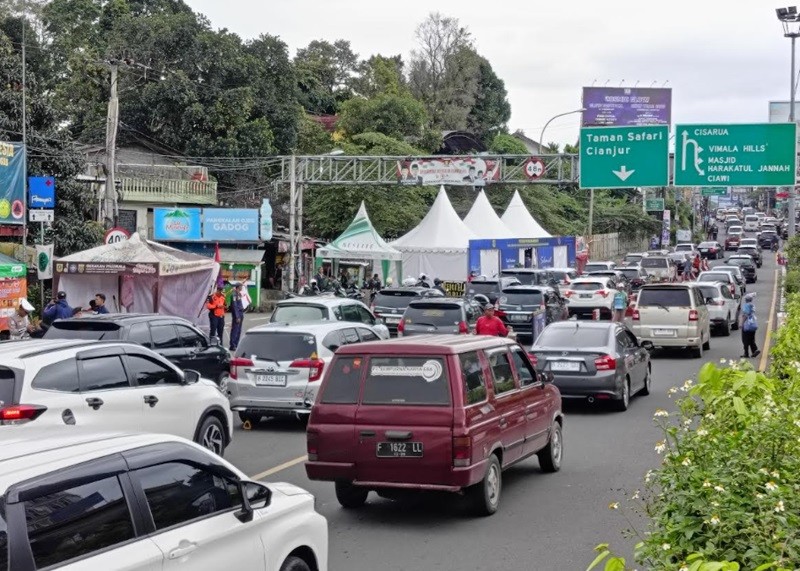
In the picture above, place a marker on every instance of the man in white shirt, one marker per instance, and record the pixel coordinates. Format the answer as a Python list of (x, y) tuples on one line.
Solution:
[(19, 324)]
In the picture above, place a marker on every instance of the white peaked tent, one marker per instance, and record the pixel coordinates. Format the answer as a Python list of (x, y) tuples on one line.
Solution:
[(438, 246), (484, 221), (360, 241), (520, 222)]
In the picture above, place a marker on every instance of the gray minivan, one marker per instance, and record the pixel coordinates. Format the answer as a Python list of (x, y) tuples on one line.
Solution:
[(436, 316)]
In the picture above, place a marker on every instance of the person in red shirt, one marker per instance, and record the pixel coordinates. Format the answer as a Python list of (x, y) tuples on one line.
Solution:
[(489, 324)]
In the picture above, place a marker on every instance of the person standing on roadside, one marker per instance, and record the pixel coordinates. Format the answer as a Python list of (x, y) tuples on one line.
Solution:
[(216, 313), (620, 303), (749, 326), (57, 309), (100, 304), (237, 316), (19, 324), (490, 324)]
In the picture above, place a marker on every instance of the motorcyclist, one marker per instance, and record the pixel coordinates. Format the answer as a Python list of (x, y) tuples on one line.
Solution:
[(423, 281), (437, 285)]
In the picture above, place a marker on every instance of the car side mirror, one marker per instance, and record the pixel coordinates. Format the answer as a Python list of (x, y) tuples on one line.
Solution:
[(255, 496), (547, 378), (709, 300), (190, 377), (648, 346)]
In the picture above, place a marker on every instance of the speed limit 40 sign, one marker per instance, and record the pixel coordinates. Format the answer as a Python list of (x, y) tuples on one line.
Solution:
[(534, 168), (115, 235)]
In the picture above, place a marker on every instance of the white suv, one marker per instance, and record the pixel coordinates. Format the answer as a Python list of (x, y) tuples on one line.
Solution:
[(589, 293), (321, 308), (109, 386), (87, 501)]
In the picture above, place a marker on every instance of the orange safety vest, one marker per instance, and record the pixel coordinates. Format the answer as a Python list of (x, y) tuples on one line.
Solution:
[(217, 305)]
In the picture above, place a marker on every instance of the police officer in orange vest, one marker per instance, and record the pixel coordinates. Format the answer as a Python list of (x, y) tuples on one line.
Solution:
[(216, 313)]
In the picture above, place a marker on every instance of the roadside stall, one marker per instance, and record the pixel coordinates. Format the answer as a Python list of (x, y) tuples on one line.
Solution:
[(13, 288), (139, 276)]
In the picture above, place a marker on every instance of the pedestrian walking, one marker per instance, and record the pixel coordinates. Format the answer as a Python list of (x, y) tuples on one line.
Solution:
[(237, 316), (620, 303), (216, 313), (749, 326)]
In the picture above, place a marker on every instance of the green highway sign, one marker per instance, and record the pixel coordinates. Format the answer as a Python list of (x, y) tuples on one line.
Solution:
[(654, 204), (714, 191), (624, 157), (759, 154)]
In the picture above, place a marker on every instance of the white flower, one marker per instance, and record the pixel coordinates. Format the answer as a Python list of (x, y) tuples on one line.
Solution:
[(706, 484), (648, 476), (635, 496), (771, 486), (715, 504), (710, 416), (613, 506), (666, 546), (661, 446), (719, 489), (763, 471), (779, 507), (775, 474), (714, 520), (687, 421), (723, 360), (672, 391), (759, 496), (660, 412), (684, 568), (702, 432), (687, 461)]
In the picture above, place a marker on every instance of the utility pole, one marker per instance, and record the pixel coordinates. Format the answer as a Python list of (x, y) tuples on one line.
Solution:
[(591, 213), (292, 223), (24, 145), (108, 212)]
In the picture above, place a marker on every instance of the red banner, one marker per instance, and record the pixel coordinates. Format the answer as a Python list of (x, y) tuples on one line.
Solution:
[(455, 171)]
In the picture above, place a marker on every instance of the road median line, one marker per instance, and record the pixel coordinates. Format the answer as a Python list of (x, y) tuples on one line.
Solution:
[(762, 366), (279, 468)]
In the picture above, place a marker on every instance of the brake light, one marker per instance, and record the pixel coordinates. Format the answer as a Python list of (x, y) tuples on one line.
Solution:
[(316, 366), (463, 327), (635, 315), (533, 358), (713, 250), (462, 451), (239, 362), (603, 292), (693, 315), (20, 413), (312, 445), (569, 293), (605, 363), (401, 327)]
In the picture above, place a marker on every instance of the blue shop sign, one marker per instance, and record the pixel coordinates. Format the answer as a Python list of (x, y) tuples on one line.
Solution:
[(176, 224), (230, 224)]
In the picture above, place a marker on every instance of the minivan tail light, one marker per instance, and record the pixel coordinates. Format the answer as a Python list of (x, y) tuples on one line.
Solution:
[(635, 315), (401, 326), (603, 292), (605, 363), (312, 445), (693, 315), (237, 362), (315, 365), (462, 451), (463, 327), (569, 293), (20, 413)]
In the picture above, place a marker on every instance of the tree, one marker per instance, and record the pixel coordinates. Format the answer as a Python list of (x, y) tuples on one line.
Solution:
[(505, 144), (396, 116), (380, 75), (312, 139), (444, 71), (325, 72), (491, 110)]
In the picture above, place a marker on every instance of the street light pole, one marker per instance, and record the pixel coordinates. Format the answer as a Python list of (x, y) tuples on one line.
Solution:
[(541, 139), (789, 16)]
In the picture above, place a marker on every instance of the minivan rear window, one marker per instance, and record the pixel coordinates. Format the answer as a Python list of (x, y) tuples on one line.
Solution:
[(277, 346), (80, 329), (299, 313), (669, 297), (526, 278), (7, 379), (433, 314), (344, 378), (394, 299), (573, 337), (709, 291), (407, 381), (654, 263), (524, 298), (483, 288), (587, 286)]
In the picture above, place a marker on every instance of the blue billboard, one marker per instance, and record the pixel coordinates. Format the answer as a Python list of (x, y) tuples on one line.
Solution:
[(12, 183), (176, 224), (542, 253), (42, 191), (230, 224)]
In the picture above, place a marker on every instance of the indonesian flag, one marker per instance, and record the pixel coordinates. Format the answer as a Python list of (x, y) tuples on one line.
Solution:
[(218, 259)]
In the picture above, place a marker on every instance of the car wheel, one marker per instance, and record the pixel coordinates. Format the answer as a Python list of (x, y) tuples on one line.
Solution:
[(486, 494), (707, 344), (251, 417), (222, 381), (211, 435), (350, 496), (698, 352), (622, 403), (648, 382), (726, 326), (294, 564), (550, 456), (735, 324)]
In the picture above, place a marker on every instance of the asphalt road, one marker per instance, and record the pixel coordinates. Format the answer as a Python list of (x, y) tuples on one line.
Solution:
[(545, 522)]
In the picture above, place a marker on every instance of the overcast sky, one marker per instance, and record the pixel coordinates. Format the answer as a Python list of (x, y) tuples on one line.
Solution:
[(723, 59)]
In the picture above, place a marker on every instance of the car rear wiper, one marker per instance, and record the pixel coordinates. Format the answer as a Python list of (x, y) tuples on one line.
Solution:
[(661, 305)]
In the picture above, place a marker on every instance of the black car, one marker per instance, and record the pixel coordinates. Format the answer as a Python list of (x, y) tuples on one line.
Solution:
[(769, 240), (390, 303), (438, 316), (552, 277), (754, 253), (518, 303), (747, 265), (711, 250), (636, 277), (490, 287), (173, 338)]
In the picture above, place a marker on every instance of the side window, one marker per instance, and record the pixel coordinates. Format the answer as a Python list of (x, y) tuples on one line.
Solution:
[(366, 316), (472, 375), (502, 377), (333, 340), (350, 336), (623, 341), (698, 297), (77, 521), (337, 314), (178, 493), (632, 339), (367, 335), (102, 373), (147, 372), (61, 376), (164, 336), (527, 376), (3, 538), (350, 312), (190, 337), (344, 380), (140, 333), (726, 292)]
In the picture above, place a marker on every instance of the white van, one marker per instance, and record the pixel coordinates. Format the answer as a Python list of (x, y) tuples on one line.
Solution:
[(751, 223)]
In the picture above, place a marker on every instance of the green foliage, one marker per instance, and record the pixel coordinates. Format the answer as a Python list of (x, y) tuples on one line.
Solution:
[(792, 282), (312, 139), (395, 116), (380, 75), (491, 110), (791, 250), (378, 144), (505, 144), (324, 72)]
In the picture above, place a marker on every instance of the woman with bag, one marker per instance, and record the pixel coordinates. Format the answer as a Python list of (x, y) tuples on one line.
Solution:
[(749, 327)]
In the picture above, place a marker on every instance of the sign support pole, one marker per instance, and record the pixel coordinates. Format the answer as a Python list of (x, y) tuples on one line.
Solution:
[(591, 215), (791, 120)]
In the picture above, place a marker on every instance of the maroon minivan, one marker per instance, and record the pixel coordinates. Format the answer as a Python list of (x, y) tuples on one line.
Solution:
[(434, 412)]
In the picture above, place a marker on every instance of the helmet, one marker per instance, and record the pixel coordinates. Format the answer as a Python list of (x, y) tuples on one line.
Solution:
[(423, 277), (409, 282), (389, 281), (437, 281), (313, 282)]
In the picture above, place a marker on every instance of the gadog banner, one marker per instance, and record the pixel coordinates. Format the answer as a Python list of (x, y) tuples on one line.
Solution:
[(12, 183), (456, 171)]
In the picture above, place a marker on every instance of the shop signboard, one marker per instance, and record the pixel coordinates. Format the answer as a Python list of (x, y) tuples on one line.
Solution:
[(176, 224), (230, 225)]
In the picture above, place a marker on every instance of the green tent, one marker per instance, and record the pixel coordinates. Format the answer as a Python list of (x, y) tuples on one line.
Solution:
[(11, 268)]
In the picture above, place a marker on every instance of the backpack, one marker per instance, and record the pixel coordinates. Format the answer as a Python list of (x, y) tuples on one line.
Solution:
[(750, 324)]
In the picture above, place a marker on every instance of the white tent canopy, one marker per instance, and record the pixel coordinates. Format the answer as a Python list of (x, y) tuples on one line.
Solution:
[(484, 221), (438, 245), (360, 241), (520, 222)]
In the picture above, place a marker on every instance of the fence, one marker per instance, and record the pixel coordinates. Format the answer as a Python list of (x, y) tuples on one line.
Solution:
[(612, 246)]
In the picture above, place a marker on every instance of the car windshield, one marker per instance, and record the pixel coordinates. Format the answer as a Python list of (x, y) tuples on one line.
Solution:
[(633, 258), (630, 273), (394, 299), (484, 288), (578, 337), (720, 276), (528, 298), (654, 263), (595, 268), (667, 296), (708, 244), (735, 230), (277, 346), (741, 261), (748, 251), (561, 275), (433, 314), (526, 278), (80, 329), (684, 248), (299, 313), (587, 286), (407, 381), (710, 291)]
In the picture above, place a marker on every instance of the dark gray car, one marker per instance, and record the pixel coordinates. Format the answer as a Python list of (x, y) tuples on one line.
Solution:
[(593, 360), (437, 316)]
